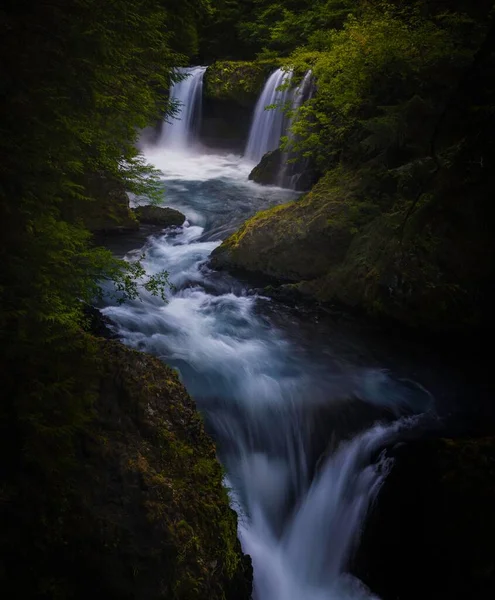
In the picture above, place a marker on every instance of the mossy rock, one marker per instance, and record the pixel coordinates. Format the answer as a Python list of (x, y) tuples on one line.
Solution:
[(430, 534), (156, 215), (137, 510), (300, 240), (352, 241), (238, 81)]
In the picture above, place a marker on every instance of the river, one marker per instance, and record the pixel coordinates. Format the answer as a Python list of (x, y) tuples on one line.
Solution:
[(300, 409)]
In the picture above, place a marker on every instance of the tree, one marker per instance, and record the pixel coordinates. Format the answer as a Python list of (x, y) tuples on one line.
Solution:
[(80, 79)]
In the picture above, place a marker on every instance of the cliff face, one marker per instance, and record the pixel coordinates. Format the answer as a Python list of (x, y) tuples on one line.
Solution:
[(140, 511)]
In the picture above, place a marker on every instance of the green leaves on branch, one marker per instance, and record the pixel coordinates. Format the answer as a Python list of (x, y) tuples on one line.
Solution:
[(369, 73), (129, 278)]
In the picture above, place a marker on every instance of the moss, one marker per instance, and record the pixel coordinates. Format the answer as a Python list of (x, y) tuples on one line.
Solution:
[(302, 239), (354, 239), (237, 81), (140, 511)]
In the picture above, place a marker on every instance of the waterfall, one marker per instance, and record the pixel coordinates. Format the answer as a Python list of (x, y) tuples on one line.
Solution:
[(268, 125), (288, 177), (292, 406), (308, 559), (179, 132)]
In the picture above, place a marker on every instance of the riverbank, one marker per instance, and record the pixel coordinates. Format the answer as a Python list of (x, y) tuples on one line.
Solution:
[(134, 506)]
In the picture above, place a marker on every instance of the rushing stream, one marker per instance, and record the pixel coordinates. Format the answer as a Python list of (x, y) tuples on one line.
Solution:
[(300, 415)]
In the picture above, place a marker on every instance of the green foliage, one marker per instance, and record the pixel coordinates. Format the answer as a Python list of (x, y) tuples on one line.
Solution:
[(80, 79), (282, 27), (241, 81), (383, 72), (403, 105)]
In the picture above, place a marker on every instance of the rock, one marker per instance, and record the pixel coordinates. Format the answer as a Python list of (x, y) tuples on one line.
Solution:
[(347, 242), (267, 172), (97, 323), (136, 509), (156, 215), (300, 240), (285, 170), (431, 532), (230, 92)]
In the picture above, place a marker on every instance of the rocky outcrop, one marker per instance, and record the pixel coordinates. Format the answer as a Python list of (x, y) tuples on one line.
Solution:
[(156, 215), (238, 81), (354, 243), (430, 534), (136, 509)]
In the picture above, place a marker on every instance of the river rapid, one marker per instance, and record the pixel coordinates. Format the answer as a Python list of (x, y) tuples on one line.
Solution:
[(301, 409)]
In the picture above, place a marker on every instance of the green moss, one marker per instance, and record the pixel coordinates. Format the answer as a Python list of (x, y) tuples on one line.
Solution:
[(302, 239)]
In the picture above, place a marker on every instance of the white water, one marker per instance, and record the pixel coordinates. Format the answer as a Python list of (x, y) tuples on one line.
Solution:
[(301, 94), (179, 131), (268, 125), (294, 421)]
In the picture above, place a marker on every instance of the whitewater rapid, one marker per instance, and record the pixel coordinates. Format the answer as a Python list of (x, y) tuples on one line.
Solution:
[(298, 427)]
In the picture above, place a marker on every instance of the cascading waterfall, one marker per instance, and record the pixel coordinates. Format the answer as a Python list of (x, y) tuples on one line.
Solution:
[(179, 132), (268, 125), (308, 557), (287, 177), (294, 419)]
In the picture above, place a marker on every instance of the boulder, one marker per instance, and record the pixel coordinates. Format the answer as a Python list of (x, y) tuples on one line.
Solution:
[(285, 170), (301, 240), (156, 215)]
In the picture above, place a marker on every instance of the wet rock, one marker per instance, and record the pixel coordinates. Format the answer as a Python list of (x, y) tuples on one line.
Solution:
[(97, 323), (268, 170), (156, 215), (285, 170), (301, 240)]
